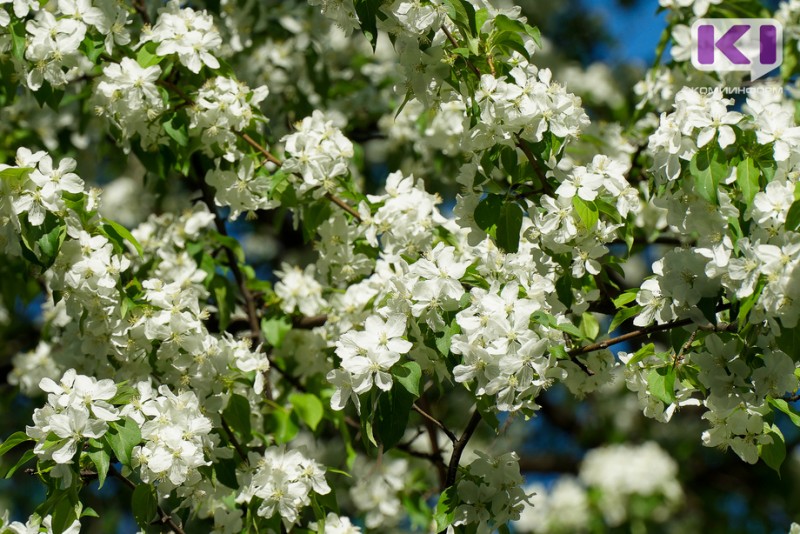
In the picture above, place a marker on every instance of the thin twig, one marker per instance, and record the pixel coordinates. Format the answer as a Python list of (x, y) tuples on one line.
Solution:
[(306, 323), (452, 40), (141, 9), (241, 281), (344, 205), (233, 440), (644, 332), (434, 421), (253, 143)]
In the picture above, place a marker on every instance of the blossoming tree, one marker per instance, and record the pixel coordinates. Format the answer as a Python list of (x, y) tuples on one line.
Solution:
[(374, 384)]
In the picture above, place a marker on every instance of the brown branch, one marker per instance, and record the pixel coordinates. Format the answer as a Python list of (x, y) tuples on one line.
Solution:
[(233, 440), (306, 323), (141, 9), (459, 446), (453, 41), (523, 145), (431, 419), (642, 332), (266, 153), (250, 303), (165, 518), (342, 204)]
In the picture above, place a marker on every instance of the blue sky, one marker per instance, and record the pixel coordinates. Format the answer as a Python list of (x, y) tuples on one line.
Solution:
[(637, 29)]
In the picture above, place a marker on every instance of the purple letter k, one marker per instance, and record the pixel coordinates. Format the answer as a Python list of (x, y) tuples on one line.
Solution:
[(726, 44)]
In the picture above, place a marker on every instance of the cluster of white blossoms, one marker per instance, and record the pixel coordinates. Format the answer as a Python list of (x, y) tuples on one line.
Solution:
[(188, 33), (339, 262), (55, 36), (283, 480), (318, 152), (378, 489), (127, 96), (175, 435), (367, 357), (77, 409), (526, 105), (501, 355), (299, 291), (490, 492), (564, 508), (418, 18), (406, 215), (698, 120), (622, 473), (223, 107), (241, 188), (335, 524), (35, 524)]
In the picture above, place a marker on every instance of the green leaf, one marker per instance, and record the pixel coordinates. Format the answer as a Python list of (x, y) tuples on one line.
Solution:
[(590, 328), (237, 415), (488, 211), (26, 457), (623, 315), (587, 212), (101, 460), (49, 95), (773, 453), (175, 127), (13, 440), (15, 173), (747, 178), (275, 330), (117, 230), (408, 375), (122, 437), (65, 512), (709, 168), (641, 354), (225, 469), (661, 384), (231, 243), (391, 416), (793, 217), (308, 407), (625, 298), (18, 39), (783, 406), (147, 57), (789, 342), (282, 426), (313, 215), (367, 12), (564, 290), (125, 394), (224, 299), (443, 341), (445, 512), (144, 504), (463, 14), (50, 243), (509, 225)]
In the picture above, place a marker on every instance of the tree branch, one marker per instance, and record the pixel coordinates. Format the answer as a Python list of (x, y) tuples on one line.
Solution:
[(241, 281), (435, 422), (459, 446), (642, 332)]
